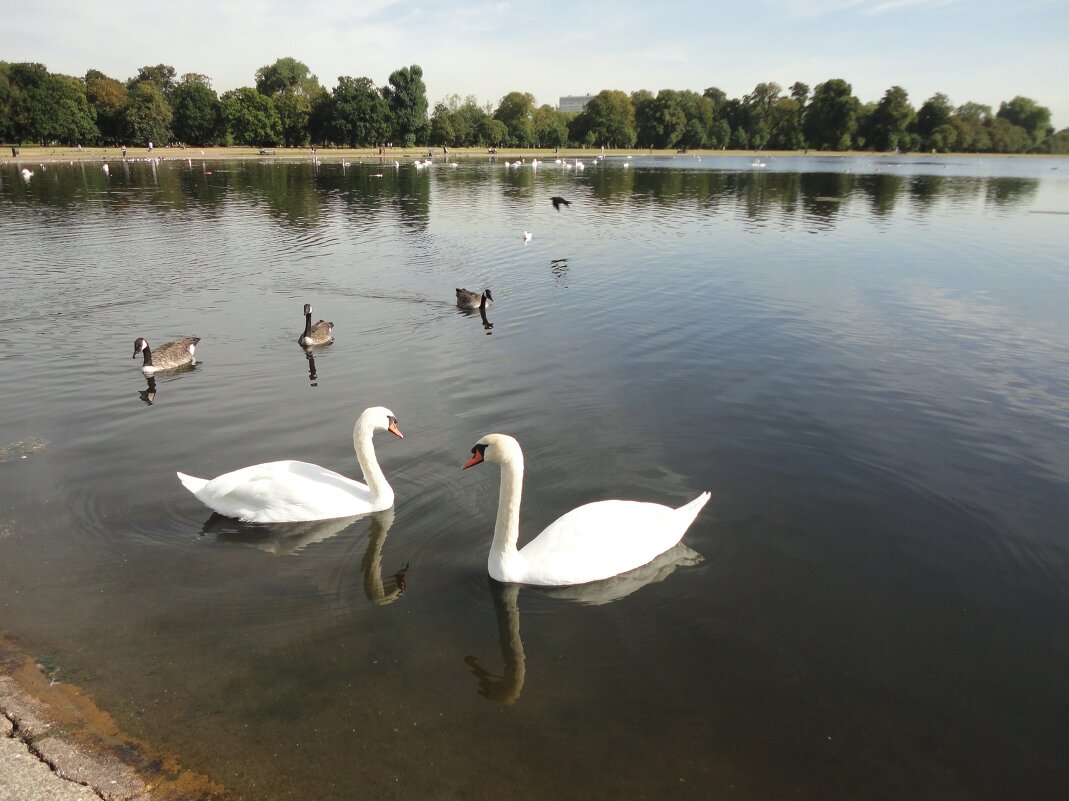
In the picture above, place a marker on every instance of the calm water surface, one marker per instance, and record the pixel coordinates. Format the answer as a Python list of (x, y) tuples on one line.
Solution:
[(864, 360)]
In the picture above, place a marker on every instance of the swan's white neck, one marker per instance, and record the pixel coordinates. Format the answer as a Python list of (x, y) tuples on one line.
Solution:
[(381, 491), (505, 562)]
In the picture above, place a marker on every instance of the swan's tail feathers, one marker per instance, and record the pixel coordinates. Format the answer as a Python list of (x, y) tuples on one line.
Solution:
[(192, 483), (690, 510)]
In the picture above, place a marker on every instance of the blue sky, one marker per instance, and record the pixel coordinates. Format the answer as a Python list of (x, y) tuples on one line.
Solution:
[(971, 50)]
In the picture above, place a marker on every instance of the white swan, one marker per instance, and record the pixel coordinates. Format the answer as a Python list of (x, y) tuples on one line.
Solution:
[(290, 491), (592, 542)]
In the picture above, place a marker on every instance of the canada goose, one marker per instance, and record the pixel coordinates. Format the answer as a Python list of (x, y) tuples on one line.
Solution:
[(473, 300), (167, 356), (322, 333)]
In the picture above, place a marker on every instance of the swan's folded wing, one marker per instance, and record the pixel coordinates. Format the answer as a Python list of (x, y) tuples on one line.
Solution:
[(602, 539), (281, 492)]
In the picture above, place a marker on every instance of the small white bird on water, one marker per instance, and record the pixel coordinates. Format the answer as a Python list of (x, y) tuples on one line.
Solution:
[(526, 237)]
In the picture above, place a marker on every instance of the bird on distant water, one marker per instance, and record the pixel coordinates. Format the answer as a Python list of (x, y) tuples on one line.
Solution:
[(526, 237), (322, 333), (167, 356), (473, 300), (559, 201)]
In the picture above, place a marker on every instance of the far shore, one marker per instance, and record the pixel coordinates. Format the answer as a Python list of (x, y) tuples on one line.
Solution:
[(39, 155)]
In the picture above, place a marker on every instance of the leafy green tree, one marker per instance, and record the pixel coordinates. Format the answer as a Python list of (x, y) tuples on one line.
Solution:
[(717, 96), (645, 131), (442, 131), (321, 118), (662, 121), (108, 98), (198, 115), (970, 123), (550, 126), (608, 120), (943, 139), (62, 113), (1057, 143), (74, 116), (516, 110), (889, 123), (148, 114), (295, 92), (934, 112), (800, 92), (757, 107), (785, 121), (250, 118), (456, 122), (735, 115), (25, 83), (285, 74), (7, 131), (162, 76), (406, 96), (492, 132), (719, 134), (360, 114), (1007, 137), (41, 107), (865, 129), (701, 119), (831, 116), (1025, 113), (294, 112)]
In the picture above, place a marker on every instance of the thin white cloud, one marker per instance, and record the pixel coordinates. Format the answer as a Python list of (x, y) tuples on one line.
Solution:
[(896, 5)]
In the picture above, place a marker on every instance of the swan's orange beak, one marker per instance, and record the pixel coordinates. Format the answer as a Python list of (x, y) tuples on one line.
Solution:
[(474, 460), (393, 429)]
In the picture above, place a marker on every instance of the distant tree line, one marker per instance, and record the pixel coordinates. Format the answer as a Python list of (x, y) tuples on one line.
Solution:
[(288, 106)]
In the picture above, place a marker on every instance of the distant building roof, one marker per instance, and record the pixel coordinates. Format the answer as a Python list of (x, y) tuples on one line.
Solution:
[(574, 102)]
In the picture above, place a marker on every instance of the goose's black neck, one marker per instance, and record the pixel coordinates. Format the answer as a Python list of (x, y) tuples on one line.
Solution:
[(307, 324), (148, 356)]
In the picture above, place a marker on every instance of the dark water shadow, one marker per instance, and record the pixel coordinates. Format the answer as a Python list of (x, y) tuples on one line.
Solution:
[(505, 688)]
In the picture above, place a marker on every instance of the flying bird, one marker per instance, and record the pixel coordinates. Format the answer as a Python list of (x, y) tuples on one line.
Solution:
[(559, 201)]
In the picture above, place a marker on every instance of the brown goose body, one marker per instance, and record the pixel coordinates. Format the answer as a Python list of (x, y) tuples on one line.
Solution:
[(319, 333), (473, 300), (167, 356)]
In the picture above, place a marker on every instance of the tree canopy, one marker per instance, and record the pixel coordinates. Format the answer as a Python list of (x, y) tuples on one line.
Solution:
[(406, 95), (294, 109)]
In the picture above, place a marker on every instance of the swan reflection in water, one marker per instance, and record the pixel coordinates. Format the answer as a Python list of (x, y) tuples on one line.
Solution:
[(292, 538), (506, 687)]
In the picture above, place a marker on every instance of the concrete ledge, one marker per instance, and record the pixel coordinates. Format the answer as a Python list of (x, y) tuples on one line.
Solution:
[(57, 745)]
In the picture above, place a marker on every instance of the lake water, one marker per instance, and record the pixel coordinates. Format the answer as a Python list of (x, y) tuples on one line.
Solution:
[(866, 361)]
